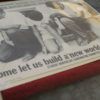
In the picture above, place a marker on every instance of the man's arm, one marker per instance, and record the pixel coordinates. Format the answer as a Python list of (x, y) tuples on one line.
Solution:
[(6, 38), (56, 35), (37, 34)]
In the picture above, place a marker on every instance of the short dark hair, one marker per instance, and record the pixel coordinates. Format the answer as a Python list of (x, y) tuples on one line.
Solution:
[(49, 4), (33, 14)]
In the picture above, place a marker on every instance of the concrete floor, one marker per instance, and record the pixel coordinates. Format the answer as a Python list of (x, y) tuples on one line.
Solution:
[(85, 90)]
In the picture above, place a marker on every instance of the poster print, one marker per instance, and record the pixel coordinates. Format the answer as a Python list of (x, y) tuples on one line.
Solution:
[(37, 37)]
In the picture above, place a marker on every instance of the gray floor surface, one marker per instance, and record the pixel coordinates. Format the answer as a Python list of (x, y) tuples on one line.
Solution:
[(88, 89)]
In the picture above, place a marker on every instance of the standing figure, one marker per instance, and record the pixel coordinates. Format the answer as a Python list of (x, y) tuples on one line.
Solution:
[(74, 25), (19, 35), (44, 34), (83, 33)]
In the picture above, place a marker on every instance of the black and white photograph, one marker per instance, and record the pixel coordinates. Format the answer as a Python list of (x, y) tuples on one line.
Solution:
[(40, 38), (48, 28)]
